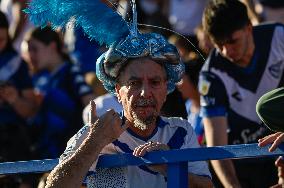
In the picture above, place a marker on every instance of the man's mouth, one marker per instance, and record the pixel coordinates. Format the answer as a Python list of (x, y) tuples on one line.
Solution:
[(144, 110), (145, 106), (145, 103)]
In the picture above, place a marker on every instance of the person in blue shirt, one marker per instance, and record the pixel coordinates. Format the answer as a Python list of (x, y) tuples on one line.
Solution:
[(85, 51), (17, 102), (16, 92), (65, 91), (246, 63)]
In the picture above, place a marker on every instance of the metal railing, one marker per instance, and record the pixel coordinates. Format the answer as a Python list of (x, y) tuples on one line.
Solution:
[(176, 160)]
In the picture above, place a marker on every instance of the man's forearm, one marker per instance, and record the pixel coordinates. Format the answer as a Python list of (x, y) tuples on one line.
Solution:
[(216, 135), (104, 130), (226, 173), (71, 172)]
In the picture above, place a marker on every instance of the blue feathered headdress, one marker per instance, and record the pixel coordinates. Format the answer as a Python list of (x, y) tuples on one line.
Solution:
[(98, 21), (108, 27)]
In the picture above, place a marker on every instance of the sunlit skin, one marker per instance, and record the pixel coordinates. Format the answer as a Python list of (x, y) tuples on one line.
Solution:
[(275, 140), (239, 48), (142, 80), (22, 101), (3, 38)]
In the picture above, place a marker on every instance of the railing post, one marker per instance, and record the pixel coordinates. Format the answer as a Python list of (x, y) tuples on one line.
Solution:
[(177, 175)]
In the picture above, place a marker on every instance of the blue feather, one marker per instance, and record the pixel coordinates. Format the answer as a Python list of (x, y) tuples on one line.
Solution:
[(98, 21)]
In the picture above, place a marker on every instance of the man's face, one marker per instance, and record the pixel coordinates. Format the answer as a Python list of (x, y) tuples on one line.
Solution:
[(142, 90), (235, 48)]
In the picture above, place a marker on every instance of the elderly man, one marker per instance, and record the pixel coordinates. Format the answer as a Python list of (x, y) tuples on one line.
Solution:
[(140, 77)]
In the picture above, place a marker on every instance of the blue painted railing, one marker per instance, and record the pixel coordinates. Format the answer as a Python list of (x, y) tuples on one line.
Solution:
[(176, 160)]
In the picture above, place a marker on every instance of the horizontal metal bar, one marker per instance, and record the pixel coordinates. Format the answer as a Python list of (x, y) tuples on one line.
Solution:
[(171, 156), (35, 166), (192, 154)]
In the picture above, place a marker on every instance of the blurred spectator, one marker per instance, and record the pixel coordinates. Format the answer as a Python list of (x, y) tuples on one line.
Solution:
[(204, 43), (190, 94), (19, 23), (103, 103), (254, 16), (247, 62), (188, 86), (84, 54), (94, 82), (84, 51), (154, 12), (65, 92), (273, 10), (17, 103), (185, 15)]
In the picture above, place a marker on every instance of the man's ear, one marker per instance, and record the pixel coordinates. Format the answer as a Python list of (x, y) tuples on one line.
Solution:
[(117, 88)]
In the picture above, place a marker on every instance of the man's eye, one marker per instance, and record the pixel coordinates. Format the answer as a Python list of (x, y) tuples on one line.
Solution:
[(156, 83), (134, 83)]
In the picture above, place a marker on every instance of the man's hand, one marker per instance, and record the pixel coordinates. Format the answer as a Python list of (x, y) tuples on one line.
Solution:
[(106, 128), (103, 130), (280, 164), (152, 146), (274, 139)]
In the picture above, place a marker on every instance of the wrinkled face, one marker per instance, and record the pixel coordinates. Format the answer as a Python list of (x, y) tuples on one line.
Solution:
[(3, 38), (236, 47), (39, 54), (142, 90)]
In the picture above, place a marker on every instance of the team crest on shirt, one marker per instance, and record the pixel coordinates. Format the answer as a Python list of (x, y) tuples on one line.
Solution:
[(276, 70), (204, 87)]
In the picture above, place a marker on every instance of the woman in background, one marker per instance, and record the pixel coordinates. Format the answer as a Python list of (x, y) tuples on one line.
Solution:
[(64, 92)]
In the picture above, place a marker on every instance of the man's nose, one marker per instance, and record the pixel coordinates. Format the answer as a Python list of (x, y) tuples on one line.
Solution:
[(145, 90)]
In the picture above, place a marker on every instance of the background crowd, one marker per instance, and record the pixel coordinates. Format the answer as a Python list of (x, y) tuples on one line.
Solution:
[(48, 77)]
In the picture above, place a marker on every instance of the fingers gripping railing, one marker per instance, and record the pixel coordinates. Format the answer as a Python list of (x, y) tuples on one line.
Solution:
[(176, 160)]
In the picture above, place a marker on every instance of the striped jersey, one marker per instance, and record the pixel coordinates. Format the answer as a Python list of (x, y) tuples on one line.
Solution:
[(232, 91), (175, 132)]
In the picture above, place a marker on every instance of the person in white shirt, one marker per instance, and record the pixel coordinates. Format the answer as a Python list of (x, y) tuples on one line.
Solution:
[(141, 86)]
